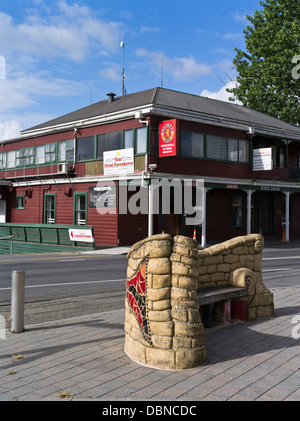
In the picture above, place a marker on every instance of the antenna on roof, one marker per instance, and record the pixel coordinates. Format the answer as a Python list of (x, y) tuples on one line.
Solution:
[(122, 45), (162, 73)]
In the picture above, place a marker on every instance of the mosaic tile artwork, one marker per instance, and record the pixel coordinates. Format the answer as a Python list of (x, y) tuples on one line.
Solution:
[(136, 290)]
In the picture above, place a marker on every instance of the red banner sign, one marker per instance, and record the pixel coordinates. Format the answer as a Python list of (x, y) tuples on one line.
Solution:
[(168, 138)]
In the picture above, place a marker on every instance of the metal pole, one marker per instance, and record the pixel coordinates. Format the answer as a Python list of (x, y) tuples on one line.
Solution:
[(287, 217), (17, 301), (150, 210)]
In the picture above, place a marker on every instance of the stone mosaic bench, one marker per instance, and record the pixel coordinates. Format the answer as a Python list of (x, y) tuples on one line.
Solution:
[(167, 279)]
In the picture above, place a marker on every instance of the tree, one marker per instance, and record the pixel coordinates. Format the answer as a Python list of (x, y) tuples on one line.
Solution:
[(268, 71)]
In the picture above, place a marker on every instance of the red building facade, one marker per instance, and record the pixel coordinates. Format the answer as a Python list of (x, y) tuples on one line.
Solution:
[(54, 173)]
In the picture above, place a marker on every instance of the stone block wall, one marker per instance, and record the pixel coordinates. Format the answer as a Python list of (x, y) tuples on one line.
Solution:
[(163, 326)]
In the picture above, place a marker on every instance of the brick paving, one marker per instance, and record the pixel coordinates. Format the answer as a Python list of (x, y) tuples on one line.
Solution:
[(84, 356)]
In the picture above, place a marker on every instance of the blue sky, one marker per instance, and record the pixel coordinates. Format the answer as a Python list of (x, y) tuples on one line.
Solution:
[(60, 55)]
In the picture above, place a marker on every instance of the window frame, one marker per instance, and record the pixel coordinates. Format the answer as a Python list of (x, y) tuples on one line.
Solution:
[(23, 202), (75, 210), (94, 137), (226, 139), (46, 196)]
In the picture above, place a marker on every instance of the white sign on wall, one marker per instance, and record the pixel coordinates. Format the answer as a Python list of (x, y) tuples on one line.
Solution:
[(120, 161), (262, 159), (82, 235)]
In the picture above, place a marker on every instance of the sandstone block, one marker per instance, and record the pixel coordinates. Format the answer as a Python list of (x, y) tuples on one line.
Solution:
[(224, 267), (162, 342), (180, 314), (187, 282), (188, 358), (180, 269), (162, 328), (182, 328), (181, 250), (159, 294), (202, 270), (135, 350), (213, 260), (159, 266), (231, 258), (265, 311), (180, 239), (161, 281), (160, 316), (160, 358), (159, 305)]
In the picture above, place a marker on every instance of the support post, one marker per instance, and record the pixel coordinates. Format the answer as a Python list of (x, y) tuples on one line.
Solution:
[(150, 210), (287, 216), (203, 235), (249, 194), (17, 301)]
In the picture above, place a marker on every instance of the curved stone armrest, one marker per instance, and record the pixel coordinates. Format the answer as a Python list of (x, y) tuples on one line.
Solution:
[(260, 299)]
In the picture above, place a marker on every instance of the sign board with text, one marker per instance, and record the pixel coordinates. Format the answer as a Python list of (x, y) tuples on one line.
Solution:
[(117, 162), (168, 138), (82, 235), (262, 159)]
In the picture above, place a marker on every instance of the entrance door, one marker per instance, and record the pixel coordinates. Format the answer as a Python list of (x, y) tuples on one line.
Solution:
[(264, 220), (2, 211)]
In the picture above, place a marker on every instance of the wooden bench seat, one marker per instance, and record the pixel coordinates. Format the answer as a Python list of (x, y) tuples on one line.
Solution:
[(213, 295), (208, 296)]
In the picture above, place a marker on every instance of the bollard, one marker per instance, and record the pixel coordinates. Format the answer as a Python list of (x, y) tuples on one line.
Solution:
[(17, 301)]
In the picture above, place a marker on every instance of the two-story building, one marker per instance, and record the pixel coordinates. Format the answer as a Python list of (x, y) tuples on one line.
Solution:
[(55, 173)]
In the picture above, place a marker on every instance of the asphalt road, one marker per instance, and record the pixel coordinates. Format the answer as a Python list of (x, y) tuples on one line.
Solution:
[(63, 275), (61, 286)]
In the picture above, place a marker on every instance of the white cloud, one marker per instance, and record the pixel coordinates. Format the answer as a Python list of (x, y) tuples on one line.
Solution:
[(221, 94), (9, 129), (180, 68), (25, 90), (70, 33), (232, 36), (112, 72), (238, 17), (149, 29)]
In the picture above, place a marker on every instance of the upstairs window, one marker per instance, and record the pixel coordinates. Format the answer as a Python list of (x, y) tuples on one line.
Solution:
[(216, 147), (2, 161), (11, 159), (191, 144), (141, 141), (66, 151), (114, 141), (85, 148)]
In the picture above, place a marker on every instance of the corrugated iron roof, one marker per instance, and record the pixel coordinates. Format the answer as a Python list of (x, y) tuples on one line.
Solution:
[(172, 100)]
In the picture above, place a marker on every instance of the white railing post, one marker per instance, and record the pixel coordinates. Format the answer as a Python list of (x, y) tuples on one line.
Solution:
[(17, 301)]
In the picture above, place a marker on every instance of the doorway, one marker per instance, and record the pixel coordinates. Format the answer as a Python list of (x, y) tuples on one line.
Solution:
[(2, 211), (264, 221)]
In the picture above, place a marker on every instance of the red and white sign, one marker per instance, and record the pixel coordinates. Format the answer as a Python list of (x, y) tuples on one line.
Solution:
[(262, 159), (82, 235), (168, 138), (120, 161)]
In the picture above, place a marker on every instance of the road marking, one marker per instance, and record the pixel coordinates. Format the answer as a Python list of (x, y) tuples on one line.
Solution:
[(72, 260), (281, 258), (51, 258), (67, 283)]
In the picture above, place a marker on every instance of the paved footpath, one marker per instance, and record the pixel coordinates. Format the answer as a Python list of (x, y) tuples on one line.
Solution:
[(84, 356)]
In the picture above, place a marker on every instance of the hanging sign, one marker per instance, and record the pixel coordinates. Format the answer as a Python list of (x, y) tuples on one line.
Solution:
[(168, 138), (262, 159), (82, 235), (118, 162)]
